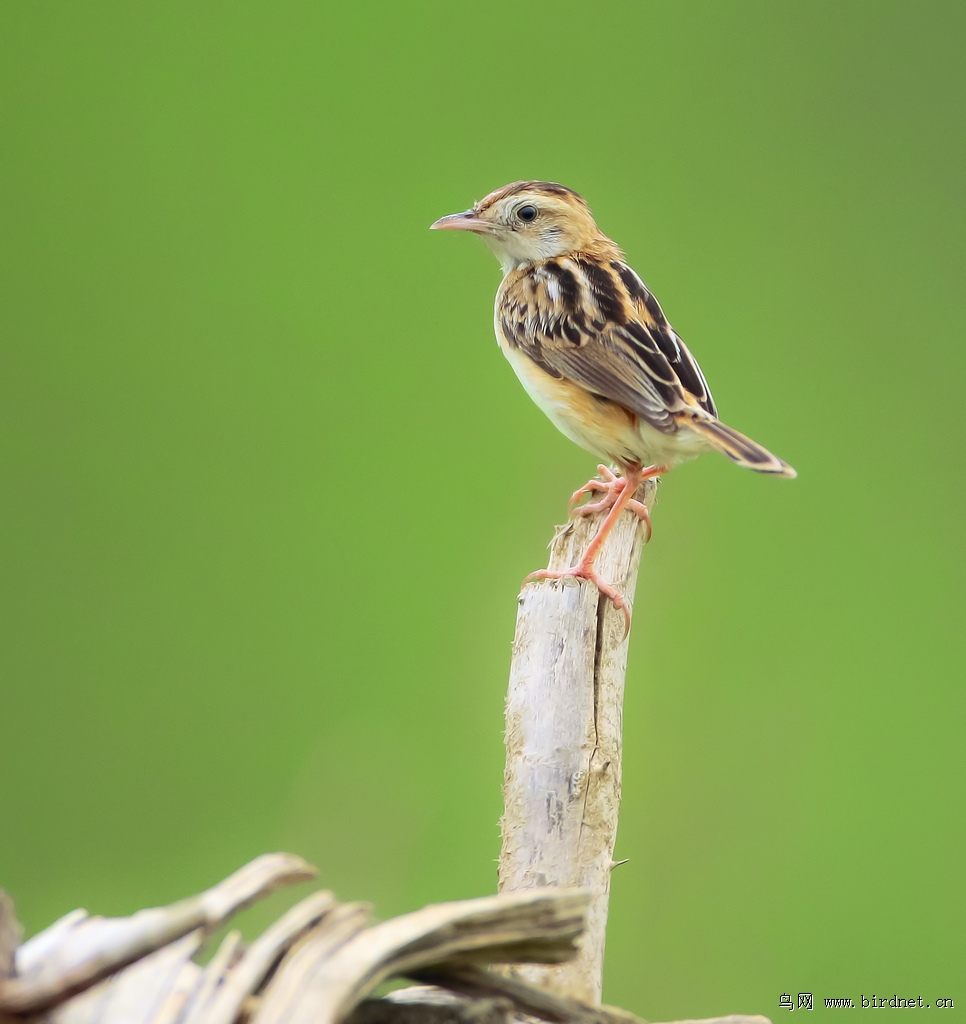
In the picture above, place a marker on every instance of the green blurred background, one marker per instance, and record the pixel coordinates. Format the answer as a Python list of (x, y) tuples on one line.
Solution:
[(268, 488)]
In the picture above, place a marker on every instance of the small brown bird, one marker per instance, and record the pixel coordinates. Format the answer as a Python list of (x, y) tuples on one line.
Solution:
[(593, 349)]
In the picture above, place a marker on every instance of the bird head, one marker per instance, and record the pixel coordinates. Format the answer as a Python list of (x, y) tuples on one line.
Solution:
[(529, 221)]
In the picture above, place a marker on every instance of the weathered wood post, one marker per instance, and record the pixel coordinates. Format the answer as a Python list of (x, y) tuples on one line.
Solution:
[(564, 711)]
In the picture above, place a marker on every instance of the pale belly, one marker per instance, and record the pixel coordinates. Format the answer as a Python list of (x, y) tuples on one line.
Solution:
[(601, 427)]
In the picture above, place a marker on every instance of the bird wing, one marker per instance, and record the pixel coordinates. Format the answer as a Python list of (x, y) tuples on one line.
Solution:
[(595, 323)]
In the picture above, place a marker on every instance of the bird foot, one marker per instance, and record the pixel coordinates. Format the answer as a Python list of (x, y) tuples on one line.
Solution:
[(581, 571), (612, 487)]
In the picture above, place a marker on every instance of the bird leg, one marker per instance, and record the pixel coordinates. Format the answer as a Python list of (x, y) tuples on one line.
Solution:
[(613, 487), (620, 491)]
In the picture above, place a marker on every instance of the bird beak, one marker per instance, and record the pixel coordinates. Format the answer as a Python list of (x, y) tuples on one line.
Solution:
[(465, 221)]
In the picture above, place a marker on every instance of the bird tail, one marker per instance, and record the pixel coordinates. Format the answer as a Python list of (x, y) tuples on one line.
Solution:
[(741, 449)]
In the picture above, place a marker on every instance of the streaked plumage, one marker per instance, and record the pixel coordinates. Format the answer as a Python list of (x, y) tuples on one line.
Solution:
[(591, 344)]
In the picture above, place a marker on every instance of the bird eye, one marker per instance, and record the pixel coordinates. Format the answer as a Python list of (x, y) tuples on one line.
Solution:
[(527, 212)]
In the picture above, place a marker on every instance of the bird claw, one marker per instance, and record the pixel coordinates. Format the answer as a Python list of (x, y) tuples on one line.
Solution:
[(612, 487), (610, 478), (617, 496), (581, 572)]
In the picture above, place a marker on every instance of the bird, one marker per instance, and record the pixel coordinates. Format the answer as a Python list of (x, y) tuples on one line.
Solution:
[(592, 347)]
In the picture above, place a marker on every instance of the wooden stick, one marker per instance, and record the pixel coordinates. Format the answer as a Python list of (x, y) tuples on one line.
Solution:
[(324, 977), (427, 1004), (78, 950), (527, 999), (564, 707)]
